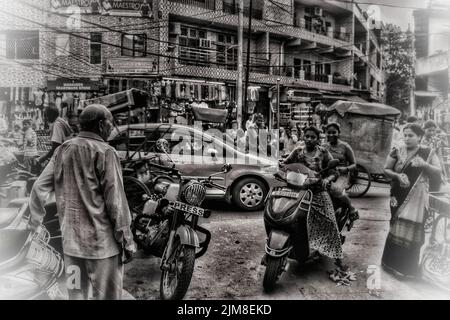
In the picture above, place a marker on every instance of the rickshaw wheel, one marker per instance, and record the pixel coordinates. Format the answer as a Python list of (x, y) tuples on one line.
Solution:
[(135, 191), (359, 182)]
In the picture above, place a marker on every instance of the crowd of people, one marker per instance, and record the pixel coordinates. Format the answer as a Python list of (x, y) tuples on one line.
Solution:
[(85, 173)]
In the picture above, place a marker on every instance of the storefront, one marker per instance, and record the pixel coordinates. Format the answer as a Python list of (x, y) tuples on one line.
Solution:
[(66, 94), (20, 103)]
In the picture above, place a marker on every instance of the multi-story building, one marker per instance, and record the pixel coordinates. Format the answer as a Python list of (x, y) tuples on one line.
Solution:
[(432, 44), (64, 51), (318, 51)]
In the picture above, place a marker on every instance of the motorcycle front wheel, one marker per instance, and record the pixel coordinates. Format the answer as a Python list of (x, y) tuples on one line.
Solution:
[(175, 282), (273, 271)]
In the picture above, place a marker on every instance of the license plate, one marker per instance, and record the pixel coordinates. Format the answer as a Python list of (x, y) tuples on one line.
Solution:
[(286, 194), (188, 208)]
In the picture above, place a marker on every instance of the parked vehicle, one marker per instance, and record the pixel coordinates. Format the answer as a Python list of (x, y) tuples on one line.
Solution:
[(198, 154), (285, 219), (168, 227), (29, 266)]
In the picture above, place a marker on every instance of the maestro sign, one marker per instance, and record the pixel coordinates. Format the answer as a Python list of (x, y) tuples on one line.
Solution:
[(140, 8)]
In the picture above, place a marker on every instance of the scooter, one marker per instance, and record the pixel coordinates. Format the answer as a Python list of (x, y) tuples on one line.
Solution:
[(285, 219), (29, 266)]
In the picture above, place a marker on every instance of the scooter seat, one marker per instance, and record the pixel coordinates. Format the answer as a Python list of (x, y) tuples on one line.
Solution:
[(11, 242), (7, 216)]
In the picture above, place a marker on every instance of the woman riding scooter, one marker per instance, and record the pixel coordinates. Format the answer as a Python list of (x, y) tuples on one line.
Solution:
[(322, 227)]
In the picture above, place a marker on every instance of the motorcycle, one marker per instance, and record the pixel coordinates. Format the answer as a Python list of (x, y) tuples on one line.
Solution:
[(285, 219), (29, 266), (168, 226)]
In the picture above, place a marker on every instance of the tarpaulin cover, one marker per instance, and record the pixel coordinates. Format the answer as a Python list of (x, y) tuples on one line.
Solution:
[(209, 115), (120, 101), (364, 108)]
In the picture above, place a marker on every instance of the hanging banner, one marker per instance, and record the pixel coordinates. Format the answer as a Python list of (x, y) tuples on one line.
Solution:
[(134, 8)]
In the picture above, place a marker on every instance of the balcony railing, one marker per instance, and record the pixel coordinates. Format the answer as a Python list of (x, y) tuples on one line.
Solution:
[(296, 73), (205, 4), (331, 33), (233, 9)]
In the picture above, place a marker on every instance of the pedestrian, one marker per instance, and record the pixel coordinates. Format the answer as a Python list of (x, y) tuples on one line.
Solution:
[(60, 132), (290, 140), (17, 136), (95, 219), (411, 167), (30, 152), (412, 119), (432, 140)]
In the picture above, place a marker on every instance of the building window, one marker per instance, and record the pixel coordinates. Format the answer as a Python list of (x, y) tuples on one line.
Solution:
[(134, 45), (62, 45), (194, 46), (96, 48), (22, 45), (226, 52)]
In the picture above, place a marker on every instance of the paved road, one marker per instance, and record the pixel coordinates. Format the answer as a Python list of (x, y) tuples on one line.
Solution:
[(231, 268)]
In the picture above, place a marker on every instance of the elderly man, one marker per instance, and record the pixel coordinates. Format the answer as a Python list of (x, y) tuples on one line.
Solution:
[(85, 174)]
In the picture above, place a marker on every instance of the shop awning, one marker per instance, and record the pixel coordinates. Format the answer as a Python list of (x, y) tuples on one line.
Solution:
[(209, 114)]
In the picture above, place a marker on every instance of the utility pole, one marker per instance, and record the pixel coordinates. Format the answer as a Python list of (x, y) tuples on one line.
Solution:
[(240, 63), (247, 70)]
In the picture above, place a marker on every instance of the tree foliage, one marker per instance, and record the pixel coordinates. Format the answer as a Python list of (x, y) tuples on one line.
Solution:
[(399, 58)]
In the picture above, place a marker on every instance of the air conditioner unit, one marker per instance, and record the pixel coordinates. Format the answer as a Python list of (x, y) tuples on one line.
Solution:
[(175, 28), (318, 11), (300, 22), (205, 43)]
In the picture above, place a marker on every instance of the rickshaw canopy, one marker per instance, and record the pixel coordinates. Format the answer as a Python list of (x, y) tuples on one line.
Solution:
[(119, 102), (364, 108)]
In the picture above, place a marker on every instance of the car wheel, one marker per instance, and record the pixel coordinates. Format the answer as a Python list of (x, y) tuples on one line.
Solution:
[(249, 194)]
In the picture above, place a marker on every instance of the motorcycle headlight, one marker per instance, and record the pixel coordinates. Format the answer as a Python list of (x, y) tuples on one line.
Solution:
[(193, 193)]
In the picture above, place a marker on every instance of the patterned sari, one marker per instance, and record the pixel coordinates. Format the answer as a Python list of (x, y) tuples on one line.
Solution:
[(408, 205), (323, 233)]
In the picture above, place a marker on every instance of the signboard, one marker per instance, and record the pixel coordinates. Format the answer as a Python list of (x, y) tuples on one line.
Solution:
[(148, 65), (139, 8), (72, 85)]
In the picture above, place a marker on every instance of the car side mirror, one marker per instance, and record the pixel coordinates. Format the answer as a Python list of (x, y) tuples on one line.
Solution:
[(212, 152)]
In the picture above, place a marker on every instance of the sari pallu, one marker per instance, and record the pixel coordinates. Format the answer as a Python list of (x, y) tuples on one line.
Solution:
[(406, 235)]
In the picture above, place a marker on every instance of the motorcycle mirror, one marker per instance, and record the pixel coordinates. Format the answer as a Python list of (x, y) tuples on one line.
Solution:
[(162, 145), (227, 167)]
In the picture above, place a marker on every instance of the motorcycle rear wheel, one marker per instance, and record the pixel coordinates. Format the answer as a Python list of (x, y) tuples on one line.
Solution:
[(273, 266), (174, 285)]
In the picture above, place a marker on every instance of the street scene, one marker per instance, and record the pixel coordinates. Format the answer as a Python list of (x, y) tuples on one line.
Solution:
[(224, 150)]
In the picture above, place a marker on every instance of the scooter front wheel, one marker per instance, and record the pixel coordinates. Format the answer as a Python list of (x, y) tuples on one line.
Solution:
[(273, 271)]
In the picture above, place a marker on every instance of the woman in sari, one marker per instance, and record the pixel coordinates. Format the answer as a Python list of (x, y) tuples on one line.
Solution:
[(322, 227), (410, 166)]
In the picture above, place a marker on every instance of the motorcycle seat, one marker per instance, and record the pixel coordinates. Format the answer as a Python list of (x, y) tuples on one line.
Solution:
[(7, 216), (11, 243)]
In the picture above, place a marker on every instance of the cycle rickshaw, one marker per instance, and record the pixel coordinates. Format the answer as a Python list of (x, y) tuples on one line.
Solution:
[(368, 128)]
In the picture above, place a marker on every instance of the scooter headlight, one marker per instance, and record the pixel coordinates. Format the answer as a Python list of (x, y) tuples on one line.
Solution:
[(193, 193)]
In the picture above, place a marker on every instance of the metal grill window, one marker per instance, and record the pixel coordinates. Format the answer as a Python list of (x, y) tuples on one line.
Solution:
[(22, 45), (134, 45)]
